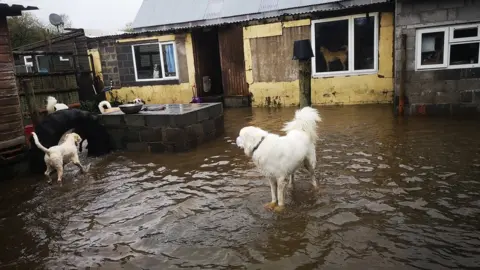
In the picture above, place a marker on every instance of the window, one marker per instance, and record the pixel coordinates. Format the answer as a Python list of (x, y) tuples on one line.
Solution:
[(64, 59), (448, 47), (43, 63), (353, 49), (28, 61), (155, 61)]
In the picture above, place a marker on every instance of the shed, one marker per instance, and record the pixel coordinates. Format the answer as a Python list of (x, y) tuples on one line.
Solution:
[(12, 139)]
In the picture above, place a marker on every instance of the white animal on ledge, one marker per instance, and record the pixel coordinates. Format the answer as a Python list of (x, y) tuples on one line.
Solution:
[(103, 106), (138, 101), (278, 157), (53, 106)]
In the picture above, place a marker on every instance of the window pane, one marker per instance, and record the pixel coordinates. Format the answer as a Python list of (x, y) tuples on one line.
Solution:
[(364, 36), (462, 54), (466, 32), (147, 60), (169, 60), (432, 48), (43, 63), (331, 46)]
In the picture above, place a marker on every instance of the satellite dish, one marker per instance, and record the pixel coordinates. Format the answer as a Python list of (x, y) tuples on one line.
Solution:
[(55, 19)]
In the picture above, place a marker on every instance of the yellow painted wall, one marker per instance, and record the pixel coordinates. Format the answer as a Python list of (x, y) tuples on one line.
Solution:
[(353, 89), (162, 94)]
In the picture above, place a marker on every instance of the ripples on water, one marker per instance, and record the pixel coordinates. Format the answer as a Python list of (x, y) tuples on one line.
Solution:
[(395, 194)]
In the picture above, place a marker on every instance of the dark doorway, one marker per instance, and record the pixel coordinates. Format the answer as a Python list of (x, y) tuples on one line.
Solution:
[(208, 71)]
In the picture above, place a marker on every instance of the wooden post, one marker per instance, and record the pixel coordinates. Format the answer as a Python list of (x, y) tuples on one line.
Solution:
[(304, 79), (401, 92), (27, 87)]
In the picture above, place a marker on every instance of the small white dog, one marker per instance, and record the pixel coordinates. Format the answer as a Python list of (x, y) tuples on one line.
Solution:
[(138, 101), (56, 157), (53, 106), (156, 71), (278, 157)]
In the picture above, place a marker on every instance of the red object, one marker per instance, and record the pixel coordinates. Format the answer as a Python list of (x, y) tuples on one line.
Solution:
[(28, 132)]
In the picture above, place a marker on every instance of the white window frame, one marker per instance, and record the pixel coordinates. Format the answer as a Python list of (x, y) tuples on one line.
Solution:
[(160, 44), (448, 42), (351, 47), (418, 46), (459, 27), (28, 64)]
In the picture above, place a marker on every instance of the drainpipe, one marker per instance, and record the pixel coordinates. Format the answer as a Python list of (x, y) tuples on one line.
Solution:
[(401, 94)]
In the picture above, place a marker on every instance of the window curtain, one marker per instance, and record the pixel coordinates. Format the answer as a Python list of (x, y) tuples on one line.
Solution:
[(170, 57)]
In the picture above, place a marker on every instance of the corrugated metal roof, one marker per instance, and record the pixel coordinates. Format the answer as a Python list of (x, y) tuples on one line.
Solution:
[(168, 15), (93, 33), (14, 10)]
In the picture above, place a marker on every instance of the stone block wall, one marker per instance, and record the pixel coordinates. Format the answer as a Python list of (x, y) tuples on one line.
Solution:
[(108, 56), (157, 133), (432, 86)]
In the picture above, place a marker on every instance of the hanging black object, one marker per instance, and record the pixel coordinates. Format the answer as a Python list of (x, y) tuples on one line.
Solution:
[(302, 50)]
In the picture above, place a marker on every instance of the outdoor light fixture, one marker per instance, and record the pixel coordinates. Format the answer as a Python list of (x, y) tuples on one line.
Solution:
[(302, 50)]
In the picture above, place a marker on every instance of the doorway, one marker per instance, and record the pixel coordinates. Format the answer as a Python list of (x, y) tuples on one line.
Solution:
[(208, 70), (220, 65)]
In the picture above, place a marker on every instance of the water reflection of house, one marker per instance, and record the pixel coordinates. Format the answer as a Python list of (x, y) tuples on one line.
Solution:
[(441, 42), (233, 48)]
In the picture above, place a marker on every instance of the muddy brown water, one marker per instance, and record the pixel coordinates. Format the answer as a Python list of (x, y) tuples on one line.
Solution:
[(395, 194)]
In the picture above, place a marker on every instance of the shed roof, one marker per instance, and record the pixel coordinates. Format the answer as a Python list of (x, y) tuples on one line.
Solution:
[(167, 14), (61, 37), (14, 10)]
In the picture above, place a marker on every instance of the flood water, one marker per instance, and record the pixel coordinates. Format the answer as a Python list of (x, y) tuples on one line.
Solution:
[(394, 194)]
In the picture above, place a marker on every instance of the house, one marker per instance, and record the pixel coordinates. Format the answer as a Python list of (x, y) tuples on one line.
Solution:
[(12, 139), (243, 52), (437, 56)]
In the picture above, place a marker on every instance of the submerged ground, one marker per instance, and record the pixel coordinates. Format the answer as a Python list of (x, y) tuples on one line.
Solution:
[(395, 194)]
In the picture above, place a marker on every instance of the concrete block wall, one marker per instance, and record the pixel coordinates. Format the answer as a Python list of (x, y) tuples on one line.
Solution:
[(157, 133), (433, 86), (108, 56)]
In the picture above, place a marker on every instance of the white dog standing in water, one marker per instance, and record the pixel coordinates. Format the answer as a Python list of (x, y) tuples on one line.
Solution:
[(278, 157), (56, 157)]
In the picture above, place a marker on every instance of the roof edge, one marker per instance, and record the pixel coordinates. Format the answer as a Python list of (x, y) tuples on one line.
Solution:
[(14, 9), (338, 5)]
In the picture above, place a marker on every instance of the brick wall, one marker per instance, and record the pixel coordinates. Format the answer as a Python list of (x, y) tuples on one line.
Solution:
[(439, 86)]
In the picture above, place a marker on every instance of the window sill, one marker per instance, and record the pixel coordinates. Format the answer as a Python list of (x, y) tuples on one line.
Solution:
[(343, 74), (158, 80), (469, 66), (152, 82)]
